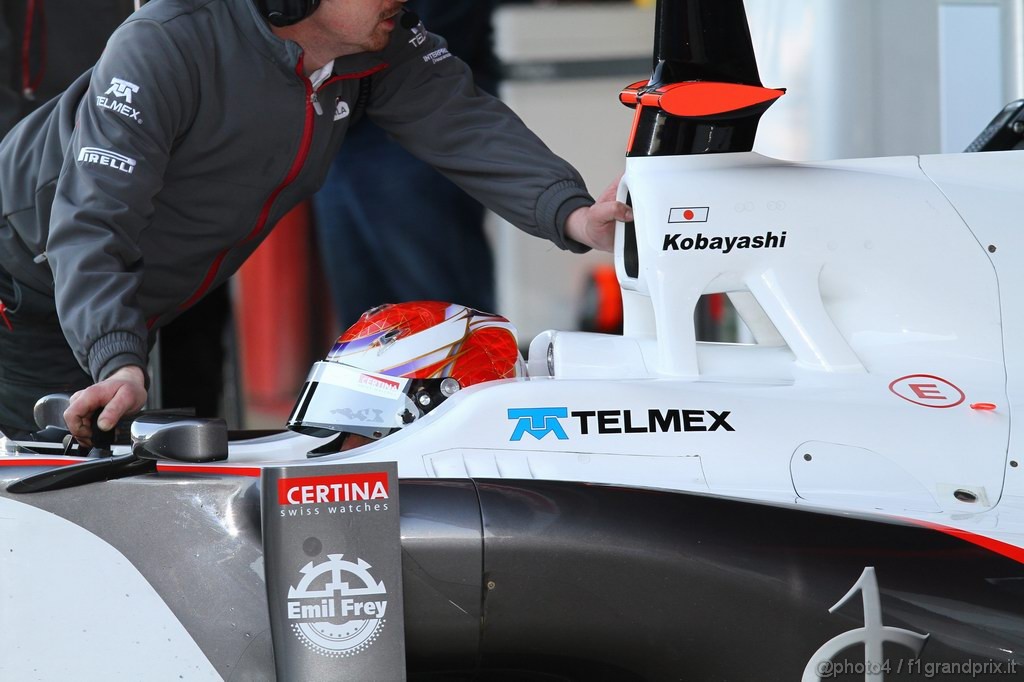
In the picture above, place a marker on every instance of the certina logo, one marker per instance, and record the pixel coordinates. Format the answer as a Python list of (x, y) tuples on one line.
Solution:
[(540, 421), (348, 493), (105, 157), (337, 608), (873, 636), (122, 89), (379, 383), (679, 242), (325, 489)]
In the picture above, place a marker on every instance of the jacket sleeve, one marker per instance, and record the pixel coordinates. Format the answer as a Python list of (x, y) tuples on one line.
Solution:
[(113, 168), (427, 101)]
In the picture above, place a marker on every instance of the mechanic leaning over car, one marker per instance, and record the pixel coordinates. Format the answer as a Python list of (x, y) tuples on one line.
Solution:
[(156, 174)]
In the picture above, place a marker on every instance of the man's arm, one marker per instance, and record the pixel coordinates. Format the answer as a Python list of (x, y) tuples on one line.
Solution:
[(426, 99), (114, 167)]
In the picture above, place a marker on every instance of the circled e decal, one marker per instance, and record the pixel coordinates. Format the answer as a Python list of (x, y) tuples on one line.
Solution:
[(928, 390)]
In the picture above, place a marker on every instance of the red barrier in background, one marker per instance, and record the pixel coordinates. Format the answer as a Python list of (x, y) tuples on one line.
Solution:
[(601, 302), (273, 306)]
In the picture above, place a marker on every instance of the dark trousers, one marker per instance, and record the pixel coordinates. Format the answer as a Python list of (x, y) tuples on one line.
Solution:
[(35, 359), (193, 358), (392, 229)]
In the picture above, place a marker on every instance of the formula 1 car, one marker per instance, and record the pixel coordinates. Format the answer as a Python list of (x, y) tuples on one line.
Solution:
[(843, 498)]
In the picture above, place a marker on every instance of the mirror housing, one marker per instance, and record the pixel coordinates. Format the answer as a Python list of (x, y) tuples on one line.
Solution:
[(182, 439), (49, 411)]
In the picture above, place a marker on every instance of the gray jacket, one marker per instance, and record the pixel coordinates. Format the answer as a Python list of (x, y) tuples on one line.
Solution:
[(157, 174)]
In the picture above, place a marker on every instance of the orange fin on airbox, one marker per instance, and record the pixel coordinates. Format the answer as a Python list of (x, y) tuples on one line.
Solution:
[(630, 95), (698, 99)]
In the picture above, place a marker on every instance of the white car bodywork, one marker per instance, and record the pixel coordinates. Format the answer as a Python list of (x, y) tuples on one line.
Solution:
[(882, 381), (889, 330)]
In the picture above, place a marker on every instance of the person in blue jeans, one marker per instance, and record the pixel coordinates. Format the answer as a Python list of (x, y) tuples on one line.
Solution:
[(390, 227)]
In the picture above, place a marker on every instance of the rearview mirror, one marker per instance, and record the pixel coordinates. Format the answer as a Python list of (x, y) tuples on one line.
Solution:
[(184, 439), (49, 411)]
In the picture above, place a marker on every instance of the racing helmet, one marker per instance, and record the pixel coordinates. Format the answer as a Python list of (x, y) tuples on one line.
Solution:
[(400, 361)]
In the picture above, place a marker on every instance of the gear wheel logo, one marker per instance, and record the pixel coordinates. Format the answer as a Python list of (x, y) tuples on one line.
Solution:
[(334, 609)]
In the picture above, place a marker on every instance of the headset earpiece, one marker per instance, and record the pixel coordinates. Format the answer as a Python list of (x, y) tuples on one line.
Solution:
[(286, 12)]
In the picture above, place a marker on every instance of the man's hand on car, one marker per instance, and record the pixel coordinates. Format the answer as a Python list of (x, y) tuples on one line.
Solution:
[(595, 225), (123, 392)]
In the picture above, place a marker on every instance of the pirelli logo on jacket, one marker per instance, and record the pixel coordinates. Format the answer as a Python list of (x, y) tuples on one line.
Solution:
[(105, 157)]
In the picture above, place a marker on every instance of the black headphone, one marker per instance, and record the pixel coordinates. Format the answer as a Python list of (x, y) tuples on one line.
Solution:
[(286, 12)]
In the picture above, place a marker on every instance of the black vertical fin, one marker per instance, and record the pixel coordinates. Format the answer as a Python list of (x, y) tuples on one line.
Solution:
[(699, 41)]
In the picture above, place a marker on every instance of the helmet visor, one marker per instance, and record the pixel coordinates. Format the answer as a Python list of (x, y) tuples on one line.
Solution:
[(339, 397)]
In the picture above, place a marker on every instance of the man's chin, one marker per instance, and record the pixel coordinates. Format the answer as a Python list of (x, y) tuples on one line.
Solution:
[(375, 44), (381, 37)]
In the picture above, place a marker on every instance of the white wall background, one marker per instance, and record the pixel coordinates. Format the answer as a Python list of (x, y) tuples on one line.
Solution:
[(884, 77), (539, 286), (864, 78)]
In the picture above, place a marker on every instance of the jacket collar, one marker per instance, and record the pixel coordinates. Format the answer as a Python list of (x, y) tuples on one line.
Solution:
[(257, 31), (287, 52)]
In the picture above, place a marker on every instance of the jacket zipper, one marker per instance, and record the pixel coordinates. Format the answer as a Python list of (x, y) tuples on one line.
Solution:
[(3, 316), (312, 106), (314, 98), (293, 173)]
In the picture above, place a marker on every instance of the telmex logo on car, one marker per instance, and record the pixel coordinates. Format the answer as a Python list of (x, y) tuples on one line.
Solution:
[(333, 489), (540, 421)]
